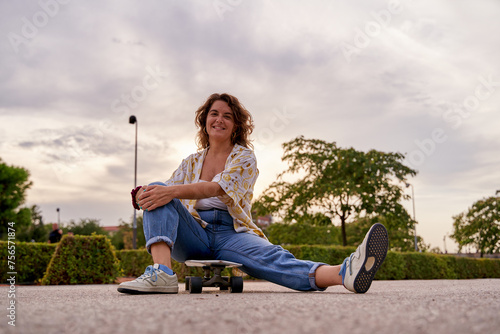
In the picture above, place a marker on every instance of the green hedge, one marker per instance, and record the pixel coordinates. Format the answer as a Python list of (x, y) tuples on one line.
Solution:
[(397, 266), (319, 253), (32, 260), (83, 260), (303, 233), (393, 268), (133, 263), (409, 265)]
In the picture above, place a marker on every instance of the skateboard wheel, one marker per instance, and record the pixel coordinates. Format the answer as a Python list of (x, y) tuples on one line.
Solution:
[(236, 284), (187, 282), (195, 284)]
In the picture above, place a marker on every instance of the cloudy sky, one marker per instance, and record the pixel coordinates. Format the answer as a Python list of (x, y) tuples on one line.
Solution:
[(416, 77)]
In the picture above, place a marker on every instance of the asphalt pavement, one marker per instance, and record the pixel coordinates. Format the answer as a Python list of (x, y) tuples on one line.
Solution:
[(430, 306)]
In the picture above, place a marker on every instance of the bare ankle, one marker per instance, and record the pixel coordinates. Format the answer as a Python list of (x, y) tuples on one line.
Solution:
[(161, 254), (328, 276)]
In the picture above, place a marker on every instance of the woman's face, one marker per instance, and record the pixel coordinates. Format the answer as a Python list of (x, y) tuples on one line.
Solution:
[(220, 121)]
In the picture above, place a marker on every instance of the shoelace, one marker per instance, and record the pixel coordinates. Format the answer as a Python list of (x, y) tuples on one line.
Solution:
[(150, 270)]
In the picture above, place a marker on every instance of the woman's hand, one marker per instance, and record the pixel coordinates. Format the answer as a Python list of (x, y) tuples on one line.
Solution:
[(152, 197)]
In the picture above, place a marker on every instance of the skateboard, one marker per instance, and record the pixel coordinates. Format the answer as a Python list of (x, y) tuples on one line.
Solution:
[(212, 277)]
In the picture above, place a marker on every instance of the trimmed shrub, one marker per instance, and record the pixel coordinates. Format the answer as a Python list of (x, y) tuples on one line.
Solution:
[(31, 260), (459, 267), (413, 265), (134, 262), (427, 266), (393, 267), (83, 260), (468, 268), (397, 266), (491, 267), (319, 253)]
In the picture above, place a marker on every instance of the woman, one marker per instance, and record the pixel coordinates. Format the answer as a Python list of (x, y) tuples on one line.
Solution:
[(204, 212)]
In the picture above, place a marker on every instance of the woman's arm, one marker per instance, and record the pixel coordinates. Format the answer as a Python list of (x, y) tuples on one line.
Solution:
[(152, 197)]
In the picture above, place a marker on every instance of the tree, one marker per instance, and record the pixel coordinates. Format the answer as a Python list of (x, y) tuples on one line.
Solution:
[(479, 226), (337, 182), (315, 219), (85, 226), (123, 238), (14, 181), (36, 230)]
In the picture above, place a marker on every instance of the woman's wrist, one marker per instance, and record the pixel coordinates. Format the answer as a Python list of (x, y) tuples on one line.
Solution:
[(172, 191)]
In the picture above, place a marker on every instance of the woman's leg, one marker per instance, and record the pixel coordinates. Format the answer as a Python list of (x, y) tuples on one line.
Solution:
[(263, 260), (171, 231), (328, 276), (161, 254)]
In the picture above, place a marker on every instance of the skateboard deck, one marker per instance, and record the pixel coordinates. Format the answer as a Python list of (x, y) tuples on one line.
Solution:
[(203, 263), (213, 277)]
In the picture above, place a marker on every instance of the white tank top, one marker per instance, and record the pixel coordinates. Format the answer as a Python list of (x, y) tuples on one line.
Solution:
[(209, 203)]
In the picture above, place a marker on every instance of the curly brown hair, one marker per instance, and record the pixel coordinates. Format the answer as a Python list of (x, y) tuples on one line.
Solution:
[(243, 122)]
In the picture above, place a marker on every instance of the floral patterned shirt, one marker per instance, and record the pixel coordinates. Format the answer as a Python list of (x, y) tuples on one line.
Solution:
[(237, 180)]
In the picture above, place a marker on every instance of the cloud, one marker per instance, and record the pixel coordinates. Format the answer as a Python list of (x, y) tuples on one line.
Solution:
[(73, 144)]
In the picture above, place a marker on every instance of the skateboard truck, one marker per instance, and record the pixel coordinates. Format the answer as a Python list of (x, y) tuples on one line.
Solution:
[(213, 276)]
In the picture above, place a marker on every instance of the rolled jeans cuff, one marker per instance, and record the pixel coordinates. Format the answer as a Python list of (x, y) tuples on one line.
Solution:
[(154, 240), (312, 276)]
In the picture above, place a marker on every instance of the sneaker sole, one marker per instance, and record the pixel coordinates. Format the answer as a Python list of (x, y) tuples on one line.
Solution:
[(133, 291), (376, 246)]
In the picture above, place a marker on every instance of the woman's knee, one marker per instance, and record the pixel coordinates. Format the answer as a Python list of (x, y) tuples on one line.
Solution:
[(164, 210), (157, 183)]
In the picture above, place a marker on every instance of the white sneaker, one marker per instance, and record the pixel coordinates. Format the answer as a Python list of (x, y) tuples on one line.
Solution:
[(358, 270), (153, 280)]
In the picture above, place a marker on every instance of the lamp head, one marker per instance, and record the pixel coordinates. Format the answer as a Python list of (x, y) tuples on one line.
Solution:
[(132, 119)]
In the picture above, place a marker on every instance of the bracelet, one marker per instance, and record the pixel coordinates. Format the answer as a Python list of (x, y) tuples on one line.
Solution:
[(134, 203)]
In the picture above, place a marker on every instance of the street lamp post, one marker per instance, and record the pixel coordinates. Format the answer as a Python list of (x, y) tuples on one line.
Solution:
[(58, 217), (414, 219), (133, 120)]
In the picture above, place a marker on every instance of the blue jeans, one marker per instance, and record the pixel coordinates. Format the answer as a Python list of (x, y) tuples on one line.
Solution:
[(173, 224)]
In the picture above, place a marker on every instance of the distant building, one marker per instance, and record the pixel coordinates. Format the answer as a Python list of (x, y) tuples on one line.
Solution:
[(111, 229), (264, 221)]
